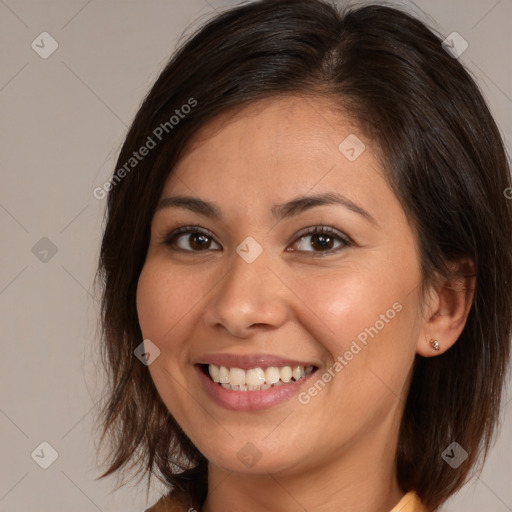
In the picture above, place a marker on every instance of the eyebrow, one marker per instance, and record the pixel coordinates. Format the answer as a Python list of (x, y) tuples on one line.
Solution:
[(279, 211)]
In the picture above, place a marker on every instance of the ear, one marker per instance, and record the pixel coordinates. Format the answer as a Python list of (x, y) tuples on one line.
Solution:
[(447, 309)]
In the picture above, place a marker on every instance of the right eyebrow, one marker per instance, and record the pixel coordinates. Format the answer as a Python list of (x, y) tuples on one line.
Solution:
[(190, 203)]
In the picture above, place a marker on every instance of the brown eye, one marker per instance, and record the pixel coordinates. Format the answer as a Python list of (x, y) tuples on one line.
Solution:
[(198, 241), (322, 239), (190, 239)]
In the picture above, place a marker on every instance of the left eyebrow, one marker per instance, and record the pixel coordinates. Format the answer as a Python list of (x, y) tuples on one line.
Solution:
[(303, 203), (279, 211)]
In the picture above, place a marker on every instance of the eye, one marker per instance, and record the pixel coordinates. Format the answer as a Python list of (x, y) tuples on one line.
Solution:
[(322, 240), (198, 238)]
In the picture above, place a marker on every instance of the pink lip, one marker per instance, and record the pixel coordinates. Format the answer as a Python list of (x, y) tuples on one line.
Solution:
[(250, 400), (246, 361)]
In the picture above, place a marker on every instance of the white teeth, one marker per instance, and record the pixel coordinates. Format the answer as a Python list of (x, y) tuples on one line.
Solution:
[(286, 373), (255, 379), (237, 377), (297, 372), (223, 375), (272, 375), (214, 372)]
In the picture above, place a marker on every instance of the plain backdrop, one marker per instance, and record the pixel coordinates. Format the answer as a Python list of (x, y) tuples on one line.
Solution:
[(63, 119)]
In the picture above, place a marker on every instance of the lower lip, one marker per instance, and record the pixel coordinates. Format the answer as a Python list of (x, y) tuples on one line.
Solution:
[(250, 400)]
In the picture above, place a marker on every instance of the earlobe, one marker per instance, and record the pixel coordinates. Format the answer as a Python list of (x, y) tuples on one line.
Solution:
[(450, 307), (435, 345)]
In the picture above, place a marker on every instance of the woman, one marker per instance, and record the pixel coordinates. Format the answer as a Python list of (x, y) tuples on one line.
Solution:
[(307, 267)]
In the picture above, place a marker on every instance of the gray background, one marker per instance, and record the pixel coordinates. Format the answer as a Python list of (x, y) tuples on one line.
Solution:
[(62, 121)]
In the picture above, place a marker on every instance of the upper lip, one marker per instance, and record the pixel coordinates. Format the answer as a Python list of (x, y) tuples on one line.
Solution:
[(247, 361)]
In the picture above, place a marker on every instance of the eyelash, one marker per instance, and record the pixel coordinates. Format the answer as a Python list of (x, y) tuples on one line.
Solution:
[(169, 238)]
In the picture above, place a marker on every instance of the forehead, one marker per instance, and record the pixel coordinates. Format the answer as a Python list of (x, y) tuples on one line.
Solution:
[(278, 148)]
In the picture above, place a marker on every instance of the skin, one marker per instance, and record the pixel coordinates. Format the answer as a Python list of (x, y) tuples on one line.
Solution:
[(336, 452)]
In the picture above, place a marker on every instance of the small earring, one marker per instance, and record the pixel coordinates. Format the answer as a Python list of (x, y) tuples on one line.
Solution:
[(435, 345)]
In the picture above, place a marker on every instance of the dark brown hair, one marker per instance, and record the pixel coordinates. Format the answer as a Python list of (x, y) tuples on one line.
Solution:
[(443, 156)]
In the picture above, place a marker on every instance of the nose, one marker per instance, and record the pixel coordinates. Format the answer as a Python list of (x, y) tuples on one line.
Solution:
[(249, 297)]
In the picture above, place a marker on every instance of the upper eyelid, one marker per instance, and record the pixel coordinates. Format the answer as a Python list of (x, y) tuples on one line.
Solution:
[(173, 234)]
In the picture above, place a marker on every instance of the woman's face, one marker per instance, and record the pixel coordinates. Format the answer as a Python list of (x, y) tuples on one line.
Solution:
[(260, 290)]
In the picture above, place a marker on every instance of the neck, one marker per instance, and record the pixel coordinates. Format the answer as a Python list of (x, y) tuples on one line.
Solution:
[(362, 478)]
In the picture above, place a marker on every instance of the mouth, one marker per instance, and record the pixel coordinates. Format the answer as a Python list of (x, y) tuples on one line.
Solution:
[(257, 378), (252, 382)]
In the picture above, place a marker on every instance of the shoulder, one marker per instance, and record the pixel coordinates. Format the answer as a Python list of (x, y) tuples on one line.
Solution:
[(169, 503), (409, 503)]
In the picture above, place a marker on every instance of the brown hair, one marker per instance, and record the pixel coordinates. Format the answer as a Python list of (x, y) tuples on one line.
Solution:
[(443, 156)]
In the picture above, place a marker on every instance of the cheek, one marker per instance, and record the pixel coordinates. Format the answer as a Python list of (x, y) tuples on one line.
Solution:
[(164, 299), (368, 318), (346, 301)]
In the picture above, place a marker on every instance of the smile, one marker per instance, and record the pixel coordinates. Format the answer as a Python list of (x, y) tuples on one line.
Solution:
[(255, 379), (252, 389)]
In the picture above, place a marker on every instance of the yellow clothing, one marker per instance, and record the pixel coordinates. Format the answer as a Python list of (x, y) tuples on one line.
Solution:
[(169, 503), (409, 503)]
